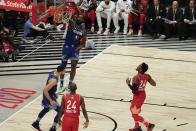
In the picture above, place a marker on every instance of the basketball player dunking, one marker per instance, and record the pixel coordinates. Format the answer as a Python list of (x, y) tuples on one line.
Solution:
[(75, 38), (139, 82), (70, 108)]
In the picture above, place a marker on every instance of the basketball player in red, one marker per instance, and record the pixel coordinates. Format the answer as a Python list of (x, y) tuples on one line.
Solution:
[(70, 108), (139, 82)]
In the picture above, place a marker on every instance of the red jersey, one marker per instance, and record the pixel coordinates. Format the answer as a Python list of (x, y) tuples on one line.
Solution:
[(72, 105), (142, 79)]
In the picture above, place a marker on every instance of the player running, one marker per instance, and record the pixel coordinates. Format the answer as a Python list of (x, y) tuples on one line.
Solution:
[(49, 100), (139, 95), (70, 108), (75, 38)]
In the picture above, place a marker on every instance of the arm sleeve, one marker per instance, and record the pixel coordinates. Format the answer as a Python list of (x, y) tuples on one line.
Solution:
[(133, 87)]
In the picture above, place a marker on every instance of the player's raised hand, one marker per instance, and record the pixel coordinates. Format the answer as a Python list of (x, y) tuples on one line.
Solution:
[(85, 125), (128, 80)]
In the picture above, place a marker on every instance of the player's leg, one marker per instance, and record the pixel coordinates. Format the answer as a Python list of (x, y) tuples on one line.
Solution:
[(74, 61), (137, 118), (73, 71), (53, 128), (35, 124), (64, 60), (136, 109)]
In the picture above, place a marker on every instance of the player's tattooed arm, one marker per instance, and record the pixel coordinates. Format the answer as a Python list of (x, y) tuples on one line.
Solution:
[(82, 103), (134, 87), (62, 109), (46, 90), (151, 81)]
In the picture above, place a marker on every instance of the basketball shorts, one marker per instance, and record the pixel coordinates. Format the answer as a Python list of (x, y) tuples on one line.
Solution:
[(70, 124), (138, 99)]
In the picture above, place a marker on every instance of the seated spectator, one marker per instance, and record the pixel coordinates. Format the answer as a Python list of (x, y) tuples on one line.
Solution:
[(31, 30), (71, 6), (190, 19), (173, 22), (51, 12), (183, 3), (8, 51), (123, 8), (10, 18), (105, 10), (138, 14), (58, 15), (87, 9), (154, 22)]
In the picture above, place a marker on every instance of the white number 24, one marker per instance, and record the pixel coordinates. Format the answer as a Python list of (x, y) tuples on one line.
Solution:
[(70, 105), (142, 84)]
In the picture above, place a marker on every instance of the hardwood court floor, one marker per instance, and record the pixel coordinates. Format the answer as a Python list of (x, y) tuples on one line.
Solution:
[(171, 105)]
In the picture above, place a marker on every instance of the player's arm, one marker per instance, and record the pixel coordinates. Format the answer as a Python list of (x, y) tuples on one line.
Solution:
[(62, 109), (82, 103), (134, 86), (82, 41), (66, 29), (68, 25), (48, 87), (151, 81)]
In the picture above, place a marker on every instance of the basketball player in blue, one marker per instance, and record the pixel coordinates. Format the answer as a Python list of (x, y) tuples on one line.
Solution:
[(49, 100), (75, 38)]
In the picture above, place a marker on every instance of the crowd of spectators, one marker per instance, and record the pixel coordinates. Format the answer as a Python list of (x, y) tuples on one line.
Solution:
[(8, 30), (158, 18)]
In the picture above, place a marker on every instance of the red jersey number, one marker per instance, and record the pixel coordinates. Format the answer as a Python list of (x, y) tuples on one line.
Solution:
[(71, 105), (143, 79), (142, 85)]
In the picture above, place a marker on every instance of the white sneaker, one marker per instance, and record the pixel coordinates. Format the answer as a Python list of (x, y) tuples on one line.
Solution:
[(99, 31), (106, 31), (116, 30), (130, 32), (92, 29), (139, 33), (162, 36), (125, 31)]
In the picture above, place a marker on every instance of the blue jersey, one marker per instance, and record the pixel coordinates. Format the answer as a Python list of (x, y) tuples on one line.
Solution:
[(72, 41), (73, 37), (52, 91)]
